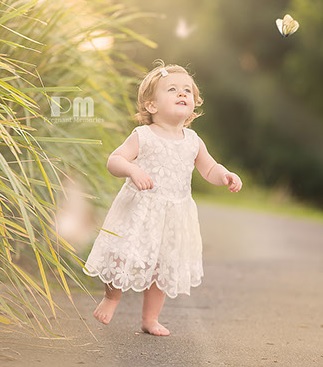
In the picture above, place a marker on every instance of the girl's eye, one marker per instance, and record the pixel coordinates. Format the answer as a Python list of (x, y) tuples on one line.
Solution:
[(172, 89), (187, 90)]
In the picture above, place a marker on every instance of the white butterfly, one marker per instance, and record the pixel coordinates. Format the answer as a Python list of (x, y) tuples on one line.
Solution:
[(287, 25), (183, 29)]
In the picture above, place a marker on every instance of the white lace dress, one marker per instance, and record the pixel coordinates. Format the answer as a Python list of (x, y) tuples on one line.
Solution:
[(158, 234)]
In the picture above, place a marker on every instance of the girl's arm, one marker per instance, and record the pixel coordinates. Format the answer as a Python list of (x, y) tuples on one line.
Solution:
[(214, 172), (120, 163)]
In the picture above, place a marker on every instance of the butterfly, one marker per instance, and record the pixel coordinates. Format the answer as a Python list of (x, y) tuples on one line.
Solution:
[(287, 25)]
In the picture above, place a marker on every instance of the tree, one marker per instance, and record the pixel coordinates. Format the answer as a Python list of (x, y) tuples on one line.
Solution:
[(263, 110)]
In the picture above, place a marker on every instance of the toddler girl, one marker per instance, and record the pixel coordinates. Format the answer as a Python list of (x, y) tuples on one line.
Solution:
[(158, 247)]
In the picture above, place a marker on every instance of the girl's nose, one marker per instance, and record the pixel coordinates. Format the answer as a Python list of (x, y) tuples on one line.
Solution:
[(181, 93)]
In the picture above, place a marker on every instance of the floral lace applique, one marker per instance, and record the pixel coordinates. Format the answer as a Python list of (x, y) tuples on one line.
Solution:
[(158, 231)]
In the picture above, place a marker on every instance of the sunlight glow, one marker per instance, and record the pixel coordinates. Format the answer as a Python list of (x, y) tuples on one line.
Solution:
[(97, 42)]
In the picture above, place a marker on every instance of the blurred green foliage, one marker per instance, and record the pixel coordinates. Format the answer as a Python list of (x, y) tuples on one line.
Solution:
[(67, 50), (262, 92)]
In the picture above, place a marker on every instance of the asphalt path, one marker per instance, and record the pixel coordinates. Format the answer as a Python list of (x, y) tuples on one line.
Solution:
[(260, 304)]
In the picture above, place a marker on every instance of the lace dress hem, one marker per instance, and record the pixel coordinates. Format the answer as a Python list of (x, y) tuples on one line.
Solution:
[(143, 288)]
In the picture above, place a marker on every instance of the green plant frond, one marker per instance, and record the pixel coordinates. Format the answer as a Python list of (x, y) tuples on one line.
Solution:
[(104, 93), (43, 154), (4, 308), (68, 140), (54, 259), (25, 311), (16, 153), (59, 239), (11, 78), (13, 124), (17, 188), (20, 35), (51, 89), (23, 287), (139, 37), (41, 183), (45, 282), (8, 68), (17, 95), (107, 231), (5, 320), (4, 233), (59, 188), (9, 140), (16, 45), (7, 249), (138, 15), (22, 195), (38, 153), (29, 283), (3, 200), (14, 13), (31, 200), (56, 262), (16, 65), (15, 235), (36, 156), (12, 196), (6, 222), (45, 176), (68, 270), (10, 114)]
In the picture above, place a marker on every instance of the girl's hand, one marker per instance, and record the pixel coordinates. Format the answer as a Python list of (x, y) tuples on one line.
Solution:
[(140, 178), (233, 181)]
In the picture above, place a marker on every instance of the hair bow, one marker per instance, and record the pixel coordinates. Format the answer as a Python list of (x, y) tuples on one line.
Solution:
[(163, 72)]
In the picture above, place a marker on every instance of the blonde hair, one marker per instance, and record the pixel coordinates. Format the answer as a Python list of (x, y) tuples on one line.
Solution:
[(147, 90)]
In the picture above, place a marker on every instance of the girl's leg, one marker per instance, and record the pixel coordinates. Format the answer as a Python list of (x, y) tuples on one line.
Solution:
[(153, 303), (105, 310)]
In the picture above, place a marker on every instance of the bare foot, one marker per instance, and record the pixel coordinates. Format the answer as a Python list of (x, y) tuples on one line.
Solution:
[(154, 328), (105, 310)]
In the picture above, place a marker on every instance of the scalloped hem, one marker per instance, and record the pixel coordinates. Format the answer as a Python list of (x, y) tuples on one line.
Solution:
[(138, 290)]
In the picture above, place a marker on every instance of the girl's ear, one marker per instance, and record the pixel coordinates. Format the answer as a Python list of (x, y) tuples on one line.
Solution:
[(150, 107)]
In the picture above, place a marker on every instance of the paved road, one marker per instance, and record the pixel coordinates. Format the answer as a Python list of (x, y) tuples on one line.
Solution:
[(260, 304)]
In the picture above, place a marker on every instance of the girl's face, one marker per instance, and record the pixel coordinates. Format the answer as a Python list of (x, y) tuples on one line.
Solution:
[(173, 99)]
